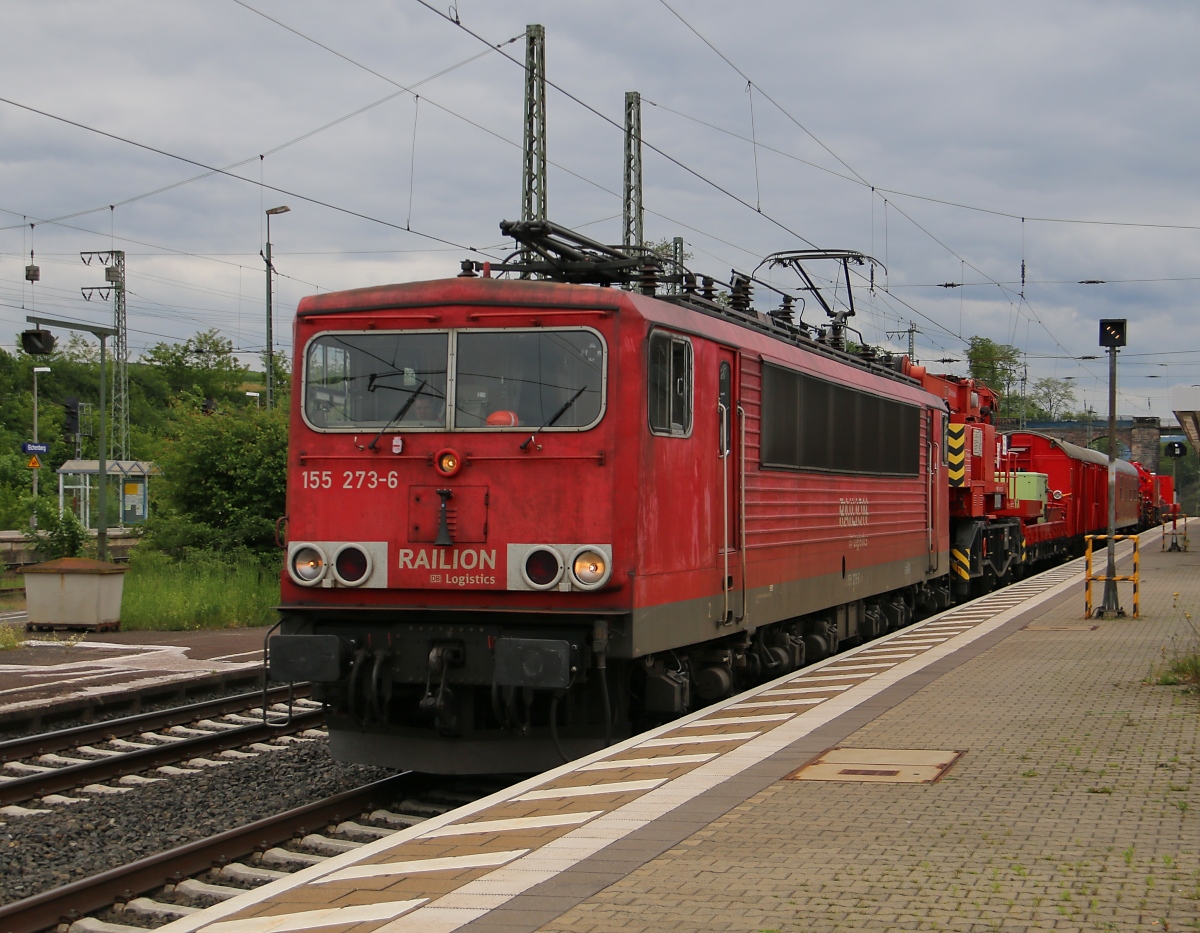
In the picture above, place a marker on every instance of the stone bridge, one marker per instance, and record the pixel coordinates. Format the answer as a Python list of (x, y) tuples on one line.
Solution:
[(1137, 438)]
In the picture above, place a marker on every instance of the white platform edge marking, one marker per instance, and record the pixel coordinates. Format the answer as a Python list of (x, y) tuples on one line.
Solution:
[(618, 763), (835, 675), (820, 688), (312, 919), (416, 866), (592, 790), (440, 915), (738, 720), (782, 701), (717, 738), (515, 824)]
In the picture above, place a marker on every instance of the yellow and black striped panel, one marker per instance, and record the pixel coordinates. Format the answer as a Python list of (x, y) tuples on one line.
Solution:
[(956, 451), (960, 563)]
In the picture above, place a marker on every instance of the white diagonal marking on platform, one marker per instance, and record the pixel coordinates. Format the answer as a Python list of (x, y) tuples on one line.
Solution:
[(511, 825), (420, 866), (312, 919), (591, 790)]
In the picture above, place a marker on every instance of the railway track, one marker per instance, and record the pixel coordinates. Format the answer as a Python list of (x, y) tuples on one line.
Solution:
[(184, 880), (122, 749)]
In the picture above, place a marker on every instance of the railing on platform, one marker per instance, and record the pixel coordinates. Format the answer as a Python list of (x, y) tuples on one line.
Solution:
[(1175, 535), (1135, 577)]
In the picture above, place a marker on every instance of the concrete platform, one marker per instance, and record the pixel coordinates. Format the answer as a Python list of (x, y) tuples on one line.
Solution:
[(1073, 805)]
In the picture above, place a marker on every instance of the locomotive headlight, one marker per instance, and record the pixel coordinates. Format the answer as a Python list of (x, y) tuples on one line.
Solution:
[(307, 565), (447, 462), (542, 568), (352, 565), (590, 568)]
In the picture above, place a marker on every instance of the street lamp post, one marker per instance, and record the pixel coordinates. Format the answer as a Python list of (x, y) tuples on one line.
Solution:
[(36, 370), (101, 496), (270, 337)]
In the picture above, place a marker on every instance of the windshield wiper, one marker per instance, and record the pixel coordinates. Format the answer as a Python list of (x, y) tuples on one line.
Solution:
[(558, 414), (400, 414)]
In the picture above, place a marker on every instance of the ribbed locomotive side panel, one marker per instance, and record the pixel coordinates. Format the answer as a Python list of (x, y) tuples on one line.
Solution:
[(819, 539)]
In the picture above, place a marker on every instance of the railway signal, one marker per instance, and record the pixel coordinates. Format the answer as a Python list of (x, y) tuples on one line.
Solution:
[(37, 342), (1112, 332)]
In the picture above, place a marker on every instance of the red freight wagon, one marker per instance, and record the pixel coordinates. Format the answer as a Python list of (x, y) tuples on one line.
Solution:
[(1078, 482), (1166, 495), (527, 516)]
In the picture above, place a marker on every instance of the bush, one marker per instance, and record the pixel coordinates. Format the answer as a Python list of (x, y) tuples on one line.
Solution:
[(223, 485), (56, 535)]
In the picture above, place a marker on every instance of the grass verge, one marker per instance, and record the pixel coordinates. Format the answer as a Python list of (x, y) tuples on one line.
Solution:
[(203, 591)]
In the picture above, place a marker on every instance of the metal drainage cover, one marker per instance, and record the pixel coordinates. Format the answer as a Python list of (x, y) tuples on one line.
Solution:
[(1060, 627), (878, 765)]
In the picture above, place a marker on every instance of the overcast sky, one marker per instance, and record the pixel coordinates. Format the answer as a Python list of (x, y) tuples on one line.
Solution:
[(919, 132)]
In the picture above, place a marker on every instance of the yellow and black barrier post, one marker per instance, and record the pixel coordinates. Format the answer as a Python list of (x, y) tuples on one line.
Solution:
[(1135, 577)]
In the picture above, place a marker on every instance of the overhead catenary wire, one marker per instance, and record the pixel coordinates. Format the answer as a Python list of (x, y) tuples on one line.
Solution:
[(412, 159), (900, 193), (846, 165), (219, 171)]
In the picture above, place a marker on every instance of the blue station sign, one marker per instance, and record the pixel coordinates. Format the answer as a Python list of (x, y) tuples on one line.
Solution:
[(31, 448)]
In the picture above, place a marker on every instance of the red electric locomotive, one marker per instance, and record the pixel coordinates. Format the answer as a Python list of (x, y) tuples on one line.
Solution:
[(527, 516)]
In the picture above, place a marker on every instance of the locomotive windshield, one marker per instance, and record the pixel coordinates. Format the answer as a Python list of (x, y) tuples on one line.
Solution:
[(515, 379)]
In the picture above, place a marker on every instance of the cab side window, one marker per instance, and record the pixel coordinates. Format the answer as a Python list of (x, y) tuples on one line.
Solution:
[(670, 385)]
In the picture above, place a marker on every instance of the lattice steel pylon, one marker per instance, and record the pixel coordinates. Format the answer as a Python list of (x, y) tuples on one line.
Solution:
[(119, 443), (114, 277), (631, 229), (533, 181)]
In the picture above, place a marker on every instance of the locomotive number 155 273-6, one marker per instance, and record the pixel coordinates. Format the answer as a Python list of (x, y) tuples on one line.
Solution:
[(350, 479)]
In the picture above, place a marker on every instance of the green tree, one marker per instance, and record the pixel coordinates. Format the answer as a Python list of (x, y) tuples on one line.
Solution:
[(664, 249), (996, 365), (1053, 396), (223, 482), (205, 363)]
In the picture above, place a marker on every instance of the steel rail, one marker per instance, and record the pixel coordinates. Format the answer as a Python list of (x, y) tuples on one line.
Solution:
[(142, 759), (27, 746), (69, 902)]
